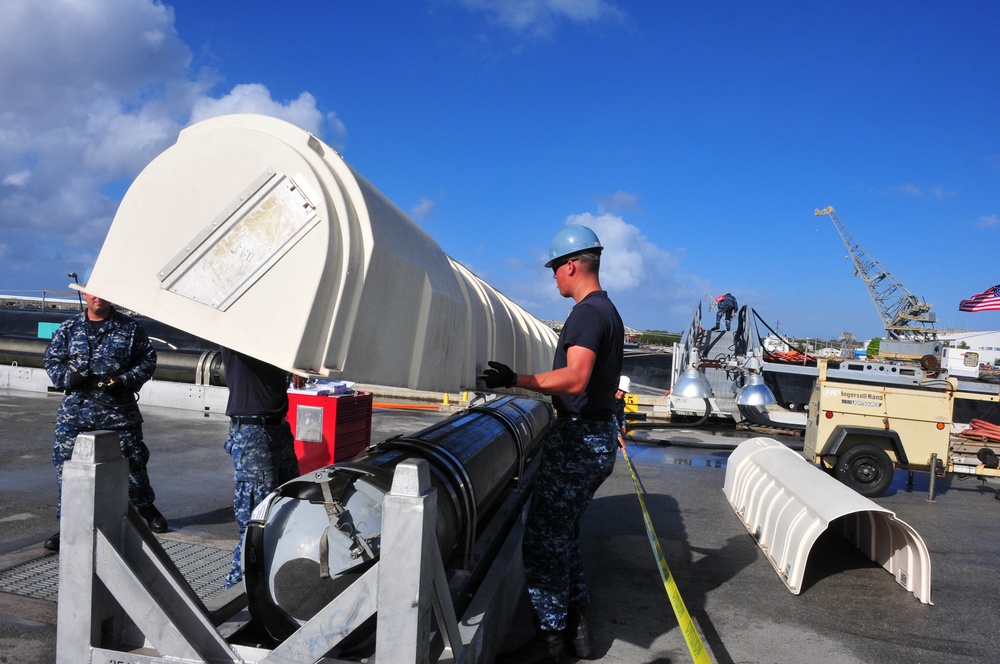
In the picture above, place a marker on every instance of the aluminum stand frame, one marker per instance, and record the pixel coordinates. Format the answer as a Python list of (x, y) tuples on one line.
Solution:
[(123, 599)]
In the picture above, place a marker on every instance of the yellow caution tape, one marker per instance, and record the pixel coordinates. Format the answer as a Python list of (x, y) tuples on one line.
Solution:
[(699, 655)]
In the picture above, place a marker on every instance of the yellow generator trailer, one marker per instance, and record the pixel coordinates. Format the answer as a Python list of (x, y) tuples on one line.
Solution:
[(861, 432)]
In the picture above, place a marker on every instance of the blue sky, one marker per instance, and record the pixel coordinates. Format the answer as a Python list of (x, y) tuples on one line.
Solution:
[(697, 139)]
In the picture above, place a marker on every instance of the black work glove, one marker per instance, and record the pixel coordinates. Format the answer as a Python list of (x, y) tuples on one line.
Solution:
[(76, 380), (499, 375)]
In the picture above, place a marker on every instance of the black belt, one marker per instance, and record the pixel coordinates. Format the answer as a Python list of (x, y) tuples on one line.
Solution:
[(259, 420)]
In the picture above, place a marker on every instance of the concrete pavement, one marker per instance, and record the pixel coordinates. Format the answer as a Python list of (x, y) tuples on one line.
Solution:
[(850, 610)]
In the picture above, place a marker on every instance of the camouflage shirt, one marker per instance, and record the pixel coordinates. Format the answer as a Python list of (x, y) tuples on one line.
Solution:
[(116, 347)]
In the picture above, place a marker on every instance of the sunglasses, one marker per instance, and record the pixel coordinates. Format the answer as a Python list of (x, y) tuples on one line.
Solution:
[(556, 266)]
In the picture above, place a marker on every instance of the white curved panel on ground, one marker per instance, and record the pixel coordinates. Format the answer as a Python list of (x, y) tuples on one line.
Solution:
[(786, 503), (252, 233)]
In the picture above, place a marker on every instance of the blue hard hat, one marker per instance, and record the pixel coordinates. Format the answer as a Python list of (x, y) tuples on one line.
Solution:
[(572, 239)]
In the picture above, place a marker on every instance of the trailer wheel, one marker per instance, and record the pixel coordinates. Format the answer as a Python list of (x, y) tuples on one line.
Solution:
[(867, 469)]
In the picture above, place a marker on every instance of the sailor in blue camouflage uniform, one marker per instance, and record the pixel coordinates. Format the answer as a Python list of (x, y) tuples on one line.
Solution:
[(579, 450), (101, 358), (727, 307), (621, 425), (260, 441)]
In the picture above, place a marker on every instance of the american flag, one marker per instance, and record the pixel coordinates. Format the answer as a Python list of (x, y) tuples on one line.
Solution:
[(988, 300)]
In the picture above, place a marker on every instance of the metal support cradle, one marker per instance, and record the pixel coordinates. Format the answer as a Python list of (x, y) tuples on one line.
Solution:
[(123, 599)]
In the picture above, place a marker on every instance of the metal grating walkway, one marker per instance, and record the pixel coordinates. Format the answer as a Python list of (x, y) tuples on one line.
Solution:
[(203, 567)]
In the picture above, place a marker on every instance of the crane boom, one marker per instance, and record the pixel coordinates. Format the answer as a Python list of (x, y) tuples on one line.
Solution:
[(905, 316)]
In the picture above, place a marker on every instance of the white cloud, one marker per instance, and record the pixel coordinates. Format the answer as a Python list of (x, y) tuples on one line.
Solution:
[(255, 98), (422, 210), (629, 259), (18, 179), (90, 92), (917, 191), (909, 189), (988, 221), (62, 55), (940, 192), (620, 201), (119, 142), (645, 281), (541, 17)]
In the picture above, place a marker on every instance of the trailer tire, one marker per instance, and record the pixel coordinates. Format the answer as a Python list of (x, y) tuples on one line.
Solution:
[(867, 469)]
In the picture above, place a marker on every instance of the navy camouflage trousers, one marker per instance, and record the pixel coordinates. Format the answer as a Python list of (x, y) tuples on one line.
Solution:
[(578, 455), (264, 459), (140, 493)]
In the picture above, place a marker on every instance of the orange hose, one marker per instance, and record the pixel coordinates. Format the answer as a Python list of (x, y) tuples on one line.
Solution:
[(406, 406)]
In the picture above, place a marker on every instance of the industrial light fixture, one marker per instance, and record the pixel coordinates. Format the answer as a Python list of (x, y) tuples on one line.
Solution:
[(692, 383), (755, 392)]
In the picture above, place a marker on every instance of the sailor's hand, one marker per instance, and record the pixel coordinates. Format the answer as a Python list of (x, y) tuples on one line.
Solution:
[(499, 375), (76, 380)]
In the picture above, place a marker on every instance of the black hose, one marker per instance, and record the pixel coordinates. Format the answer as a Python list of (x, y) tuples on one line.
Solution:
[(708, 411), (88, 394), (693, 446)]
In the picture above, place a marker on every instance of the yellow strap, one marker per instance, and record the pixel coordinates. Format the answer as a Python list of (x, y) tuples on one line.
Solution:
[(699, 655)]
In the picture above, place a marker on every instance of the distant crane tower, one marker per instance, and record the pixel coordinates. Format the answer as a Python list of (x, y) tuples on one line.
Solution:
[(905, 316)]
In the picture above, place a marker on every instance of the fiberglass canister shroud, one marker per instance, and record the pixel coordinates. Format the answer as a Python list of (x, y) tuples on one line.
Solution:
[(253, 234)]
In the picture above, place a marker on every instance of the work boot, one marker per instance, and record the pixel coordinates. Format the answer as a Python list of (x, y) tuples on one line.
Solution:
[(543, 648), (577, 634), (52, 543), (714, 328), (153, 517)]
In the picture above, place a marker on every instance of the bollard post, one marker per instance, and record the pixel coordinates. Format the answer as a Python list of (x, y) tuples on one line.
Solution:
[(87, 612), (930, 488), (405, 570), (118, 589)]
